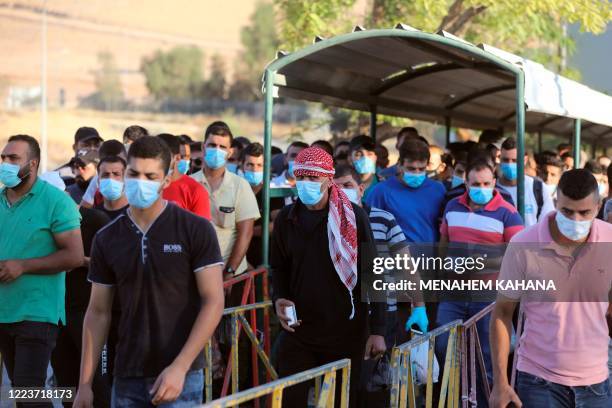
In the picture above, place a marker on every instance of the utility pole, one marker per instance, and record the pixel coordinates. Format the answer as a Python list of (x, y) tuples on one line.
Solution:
[(43, 92)]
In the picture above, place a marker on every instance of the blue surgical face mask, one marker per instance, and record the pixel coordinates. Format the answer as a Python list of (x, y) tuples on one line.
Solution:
[(183, 166), (352, 195), (215, 158), (290, 168), (309, 192), (9, 175), (481, 195), (365, 165), (414, 180), (574, 230), (456, 181), (509, 171), (232, 168), (111, 189), (254, 178), (141, 193)]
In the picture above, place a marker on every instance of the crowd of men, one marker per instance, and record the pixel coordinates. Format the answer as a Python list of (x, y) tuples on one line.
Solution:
[(119, 257)]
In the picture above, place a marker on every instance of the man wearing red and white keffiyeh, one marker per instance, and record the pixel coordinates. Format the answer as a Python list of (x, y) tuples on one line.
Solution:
[(319, 246)]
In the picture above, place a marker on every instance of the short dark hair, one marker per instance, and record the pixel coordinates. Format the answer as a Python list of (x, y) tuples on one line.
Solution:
[(185, 140), (253, 149), (578, 184), (490, 136), (149, 147), (345, 170), (562, 146), (134, 132), (276, 150), (594, 167), (407, 129), (362, 142), (413, 149), (218, 128), (112, 159), (172, 141), (477, 153), (479, 164), (325, 145), (33, 146), (342, 143), (111, 148), (547, 160), (243, 141), (566, 155), (298, 144), (509, 144), (195, 147)]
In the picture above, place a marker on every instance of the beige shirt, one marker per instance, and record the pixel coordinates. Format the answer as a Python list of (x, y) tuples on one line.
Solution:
[(232, 202)]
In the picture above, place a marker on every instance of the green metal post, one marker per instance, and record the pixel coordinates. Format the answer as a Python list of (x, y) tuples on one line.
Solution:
[(373, 121), (576, 144), (520, 136), (448, 130), (265, 225)]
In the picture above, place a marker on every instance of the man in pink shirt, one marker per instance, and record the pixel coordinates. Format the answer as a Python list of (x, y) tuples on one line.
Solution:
[(563, 351)]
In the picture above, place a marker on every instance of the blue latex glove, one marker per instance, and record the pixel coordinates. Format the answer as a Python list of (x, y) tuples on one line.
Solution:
[(418, 317)]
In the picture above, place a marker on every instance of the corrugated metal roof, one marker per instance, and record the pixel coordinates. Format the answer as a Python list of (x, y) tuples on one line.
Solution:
[(405, 72)]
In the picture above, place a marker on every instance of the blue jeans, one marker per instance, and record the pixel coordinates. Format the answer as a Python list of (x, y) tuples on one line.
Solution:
[(449, 311), (537, 392), (134, 392)]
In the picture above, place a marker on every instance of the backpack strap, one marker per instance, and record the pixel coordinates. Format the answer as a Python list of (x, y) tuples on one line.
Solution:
[(538, 192)]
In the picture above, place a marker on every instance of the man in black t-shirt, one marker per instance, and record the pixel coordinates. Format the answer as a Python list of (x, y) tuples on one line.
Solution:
[(68, 346), (165, 266), (251, 164)]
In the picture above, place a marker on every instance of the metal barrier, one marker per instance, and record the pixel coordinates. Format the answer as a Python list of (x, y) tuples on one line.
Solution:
[(249, 296), (324, 398), (238, 322), (469, 337), (402, 382)]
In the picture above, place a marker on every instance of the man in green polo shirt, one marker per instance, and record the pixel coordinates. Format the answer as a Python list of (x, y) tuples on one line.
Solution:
[(40, 238)]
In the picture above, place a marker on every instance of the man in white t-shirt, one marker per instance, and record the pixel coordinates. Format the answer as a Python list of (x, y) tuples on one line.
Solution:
[(537, 202)]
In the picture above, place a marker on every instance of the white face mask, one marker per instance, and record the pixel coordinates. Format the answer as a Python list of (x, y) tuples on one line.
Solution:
[(571, 229), (352, 195)]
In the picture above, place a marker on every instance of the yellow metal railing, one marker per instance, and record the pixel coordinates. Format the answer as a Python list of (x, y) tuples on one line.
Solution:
[(402, 381), (325, 397), (237, 323)]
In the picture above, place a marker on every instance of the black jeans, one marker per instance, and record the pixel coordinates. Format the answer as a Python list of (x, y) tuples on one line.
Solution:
[(294, 357), (66, 360), (26, 349)]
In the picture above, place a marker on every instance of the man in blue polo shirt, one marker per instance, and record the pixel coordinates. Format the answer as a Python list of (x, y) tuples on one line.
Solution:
[(165, 266), (40, 240), (414, 199)]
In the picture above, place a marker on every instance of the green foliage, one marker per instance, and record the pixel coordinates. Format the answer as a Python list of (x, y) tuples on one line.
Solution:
[(214, 87), (259, 42), (176, 73), (109, 93)]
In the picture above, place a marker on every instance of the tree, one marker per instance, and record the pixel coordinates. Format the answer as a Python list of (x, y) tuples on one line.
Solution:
[(109, 93), (260, 43), (532, 28), (214, 87), (174, 74)]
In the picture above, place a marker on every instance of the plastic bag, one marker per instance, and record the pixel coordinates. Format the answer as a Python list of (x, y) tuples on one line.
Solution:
[(418, 359), (380, 374)]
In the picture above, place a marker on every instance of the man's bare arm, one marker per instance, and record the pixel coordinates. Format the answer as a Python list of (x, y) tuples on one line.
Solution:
[(169, 383), (69, 255), (95, 329), (244, 232), (501, 329)]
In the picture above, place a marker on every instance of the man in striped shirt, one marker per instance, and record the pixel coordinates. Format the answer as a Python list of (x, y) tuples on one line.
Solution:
[(478, 222), (390, 240)]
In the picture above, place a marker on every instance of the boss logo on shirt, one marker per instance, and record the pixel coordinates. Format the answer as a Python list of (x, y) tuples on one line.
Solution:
[(173, 248)]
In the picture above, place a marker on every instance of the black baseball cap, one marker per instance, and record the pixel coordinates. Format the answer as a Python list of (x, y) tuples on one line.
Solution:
[(84, 157), (85, 133)]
